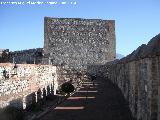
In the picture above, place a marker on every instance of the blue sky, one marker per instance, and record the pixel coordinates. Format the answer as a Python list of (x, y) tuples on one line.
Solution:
[(137, 21)]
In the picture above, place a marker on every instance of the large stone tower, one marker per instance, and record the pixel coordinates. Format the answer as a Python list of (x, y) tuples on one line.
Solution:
[(77, 43)]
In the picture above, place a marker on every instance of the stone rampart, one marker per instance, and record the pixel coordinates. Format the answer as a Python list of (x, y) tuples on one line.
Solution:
[(139, 82), (23, 84), (30, 56), (138, 77)]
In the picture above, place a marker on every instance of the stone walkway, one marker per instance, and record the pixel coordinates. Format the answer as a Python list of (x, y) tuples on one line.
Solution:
[(99, 101)]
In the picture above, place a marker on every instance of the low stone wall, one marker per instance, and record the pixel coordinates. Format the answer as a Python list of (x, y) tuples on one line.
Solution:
[(26, 83)]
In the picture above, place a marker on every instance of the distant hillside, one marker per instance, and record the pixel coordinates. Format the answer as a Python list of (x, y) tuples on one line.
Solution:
[(119, 56)]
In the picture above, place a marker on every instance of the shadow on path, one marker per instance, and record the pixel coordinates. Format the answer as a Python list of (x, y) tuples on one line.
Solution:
[(99, 101)]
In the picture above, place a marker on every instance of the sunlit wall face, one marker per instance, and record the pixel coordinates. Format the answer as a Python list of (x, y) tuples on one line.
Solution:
[(76, 42)]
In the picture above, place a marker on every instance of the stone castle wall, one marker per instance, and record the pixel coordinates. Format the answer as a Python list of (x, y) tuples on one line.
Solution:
[(139, 82), (30, 56), (138, 77), (76, 43), (26, 83)]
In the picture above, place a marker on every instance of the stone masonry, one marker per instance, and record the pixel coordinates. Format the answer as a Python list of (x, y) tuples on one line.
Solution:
[(22, 85), (77, 43), (138, 77), (31, 56), (26, 83), (73, 43)]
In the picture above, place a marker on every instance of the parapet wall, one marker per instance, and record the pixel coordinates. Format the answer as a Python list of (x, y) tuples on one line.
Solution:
[(138, 77), (25, 82), (139, 82)]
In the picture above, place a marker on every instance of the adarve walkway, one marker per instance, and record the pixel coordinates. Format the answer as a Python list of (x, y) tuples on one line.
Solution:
[(101, 101)]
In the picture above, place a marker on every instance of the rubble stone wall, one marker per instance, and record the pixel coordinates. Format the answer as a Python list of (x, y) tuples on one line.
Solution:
[(76, 43), (30, 56), (26, 83)]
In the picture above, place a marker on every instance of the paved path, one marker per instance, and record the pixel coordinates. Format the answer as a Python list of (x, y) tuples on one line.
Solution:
[(101, 101)]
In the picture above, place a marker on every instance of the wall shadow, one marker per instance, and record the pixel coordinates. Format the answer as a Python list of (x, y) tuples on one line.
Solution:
[(99, 101), (29, 104)]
